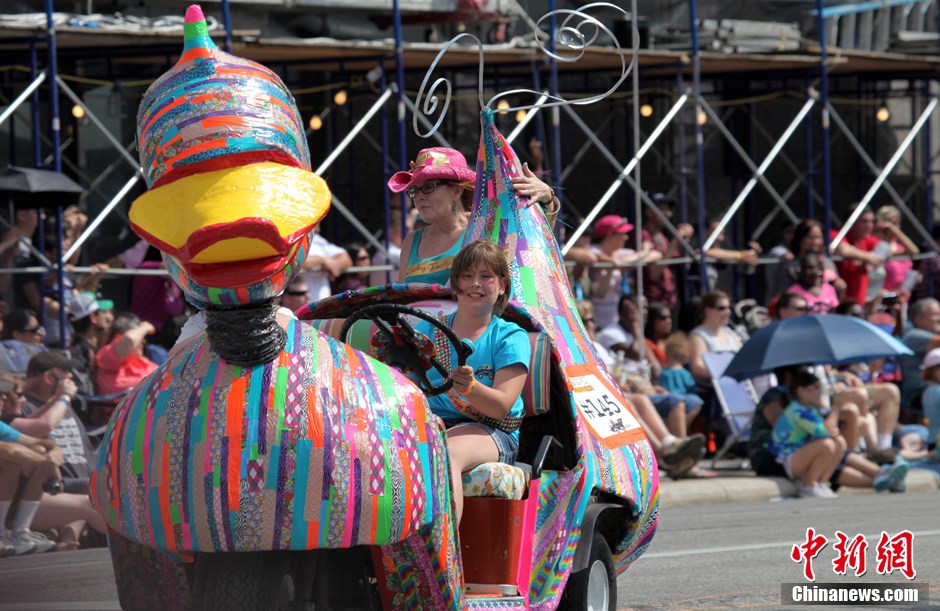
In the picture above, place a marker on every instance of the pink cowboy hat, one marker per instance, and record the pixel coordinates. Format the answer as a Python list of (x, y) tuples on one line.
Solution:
[(436, 163)]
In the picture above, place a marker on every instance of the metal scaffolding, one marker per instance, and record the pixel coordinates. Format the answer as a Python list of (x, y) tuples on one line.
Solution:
[(691, 115)]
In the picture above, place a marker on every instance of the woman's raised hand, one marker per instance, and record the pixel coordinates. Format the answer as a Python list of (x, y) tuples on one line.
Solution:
[(531, 186)]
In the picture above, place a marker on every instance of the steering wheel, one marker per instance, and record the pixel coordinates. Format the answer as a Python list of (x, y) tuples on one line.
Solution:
[(404, 348)]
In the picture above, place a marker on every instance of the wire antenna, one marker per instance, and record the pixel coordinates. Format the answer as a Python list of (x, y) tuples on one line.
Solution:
[(576, 33)]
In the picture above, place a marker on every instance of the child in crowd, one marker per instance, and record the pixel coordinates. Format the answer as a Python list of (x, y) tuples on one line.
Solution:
[(808, 450), (675, 377)]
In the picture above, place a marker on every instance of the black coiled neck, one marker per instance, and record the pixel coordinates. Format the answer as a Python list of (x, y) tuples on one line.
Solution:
[(245, 335)]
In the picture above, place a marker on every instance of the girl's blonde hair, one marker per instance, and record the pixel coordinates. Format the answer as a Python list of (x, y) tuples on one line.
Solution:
[(489, 255), (888, 214), (677, 347)]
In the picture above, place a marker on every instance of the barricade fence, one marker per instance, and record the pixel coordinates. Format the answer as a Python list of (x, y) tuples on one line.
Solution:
[(79, 269)]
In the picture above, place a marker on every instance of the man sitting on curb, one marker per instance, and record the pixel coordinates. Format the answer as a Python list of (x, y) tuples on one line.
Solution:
[(48, 412), (37, 460)]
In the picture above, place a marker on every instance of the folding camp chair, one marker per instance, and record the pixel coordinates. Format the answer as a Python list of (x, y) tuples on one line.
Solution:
[(737, 401)]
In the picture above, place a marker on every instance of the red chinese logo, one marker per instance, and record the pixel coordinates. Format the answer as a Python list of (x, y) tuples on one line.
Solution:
[(893, 553), (896, 553), (809, 550), (851, 554)]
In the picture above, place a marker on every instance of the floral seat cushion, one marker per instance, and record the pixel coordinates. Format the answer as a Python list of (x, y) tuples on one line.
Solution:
[(496, 480)]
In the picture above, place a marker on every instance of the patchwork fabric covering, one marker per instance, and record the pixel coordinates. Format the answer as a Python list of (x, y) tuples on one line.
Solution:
[(214, 110), (623, 466), (323, 447), (495, 479), (319, 446), (535, 393)]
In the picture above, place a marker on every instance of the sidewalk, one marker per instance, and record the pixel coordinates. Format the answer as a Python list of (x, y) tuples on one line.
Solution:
[(734, 485)]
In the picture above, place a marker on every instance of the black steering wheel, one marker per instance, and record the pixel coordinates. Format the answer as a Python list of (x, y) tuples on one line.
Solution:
[(404, 348)]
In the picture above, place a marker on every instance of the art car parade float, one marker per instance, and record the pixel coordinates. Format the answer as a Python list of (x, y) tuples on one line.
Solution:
[(276, 462)]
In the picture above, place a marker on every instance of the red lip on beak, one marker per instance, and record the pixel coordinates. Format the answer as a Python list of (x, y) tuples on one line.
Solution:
[(236, 274), (201, 239), (254, 228), (227, 274)]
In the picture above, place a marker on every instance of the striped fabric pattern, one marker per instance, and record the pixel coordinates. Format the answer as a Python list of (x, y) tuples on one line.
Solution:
[(323, 447), (213, 110)]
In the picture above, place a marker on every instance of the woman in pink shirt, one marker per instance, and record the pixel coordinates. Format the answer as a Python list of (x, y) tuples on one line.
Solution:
[(121, 363), (821, 297), (888, 229)]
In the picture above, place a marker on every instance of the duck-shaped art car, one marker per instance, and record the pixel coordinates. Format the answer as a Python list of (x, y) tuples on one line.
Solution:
[(270, 465)]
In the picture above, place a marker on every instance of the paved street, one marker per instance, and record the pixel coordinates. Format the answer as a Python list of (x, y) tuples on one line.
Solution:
[(735, 556), (727, 556)]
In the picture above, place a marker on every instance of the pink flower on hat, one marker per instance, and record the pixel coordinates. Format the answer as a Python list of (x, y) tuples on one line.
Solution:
[(437, 163), (612, 223)]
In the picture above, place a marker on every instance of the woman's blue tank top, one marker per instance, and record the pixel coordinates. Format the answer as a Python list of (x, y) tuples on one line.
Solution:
[(433, 270)]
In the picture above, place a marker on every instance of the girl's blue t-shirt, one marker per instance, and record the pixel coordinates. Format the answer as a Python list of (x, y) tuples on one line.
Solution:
[(796, 427), (503, 344)]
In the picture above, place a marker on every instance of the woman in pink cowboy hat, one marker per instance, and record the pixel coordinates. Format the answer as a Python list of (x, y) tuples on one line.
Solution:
[(440, 185)]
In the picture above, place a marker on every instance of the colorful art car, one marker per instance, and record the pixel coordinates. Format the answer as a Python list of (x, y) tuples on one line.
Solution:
[(277, 463)]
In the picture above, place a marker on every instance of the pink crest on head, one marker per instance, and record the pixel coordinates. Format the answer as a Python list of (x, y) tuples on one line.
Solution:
[(194, 14)]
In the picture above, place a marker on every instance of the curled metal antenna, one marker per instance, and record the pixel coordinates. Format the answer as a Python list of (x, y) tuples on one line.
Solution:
[(576, 33), (427, 102)]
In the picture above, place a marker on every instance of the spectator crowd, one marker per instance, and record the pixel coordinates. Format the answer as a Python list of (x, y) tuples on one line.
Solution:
[(856, 425)]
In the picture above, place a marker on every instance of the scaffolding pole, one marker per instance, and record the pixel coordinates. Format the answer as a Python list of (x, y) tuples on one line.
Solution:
[(889, 167), (643, 197), (6, 114), (898, 200), (824, 114), (625, 173), (699, 142), (345, 142), (759, 173)]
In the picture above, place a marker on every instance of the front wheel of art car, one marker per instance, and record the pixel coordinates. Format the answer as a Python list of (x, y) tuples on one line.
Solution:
[(595, 587), (147, 580), (260, 581)]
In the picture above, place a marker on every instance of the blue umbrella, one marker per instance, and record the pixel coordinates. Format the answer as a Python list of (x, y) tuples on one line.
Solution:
[(818, 339)]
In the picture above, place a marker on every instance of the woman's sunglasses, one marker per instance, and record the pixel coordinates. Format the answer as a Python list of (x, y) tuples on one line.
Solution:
[(427, 188)]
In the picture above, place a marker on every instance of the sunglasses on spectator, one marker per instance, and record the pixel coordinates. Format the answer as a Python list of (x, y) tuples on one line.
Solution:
[(33, 331), (427, 188), (803, 309), (296, 293), (587, 320)]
